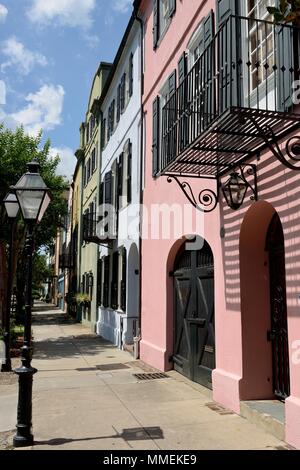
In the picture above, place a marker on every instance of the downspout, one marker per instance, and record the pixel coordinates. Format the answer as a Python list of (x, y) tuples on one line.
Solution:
[(80, 238), (139, 336)]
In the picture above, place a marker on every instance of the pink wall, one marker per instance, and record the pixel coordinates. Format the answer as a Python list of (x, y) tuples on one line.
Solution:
[(243, 356)]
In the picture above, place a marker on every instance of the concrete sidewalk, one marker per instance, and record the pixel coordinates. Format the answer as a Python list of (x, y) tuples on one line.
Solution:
[(86, 396)]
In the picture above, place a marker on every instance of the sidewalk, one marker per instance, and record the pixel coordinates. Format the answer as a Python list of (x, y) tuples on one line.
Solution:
[(86, 396)]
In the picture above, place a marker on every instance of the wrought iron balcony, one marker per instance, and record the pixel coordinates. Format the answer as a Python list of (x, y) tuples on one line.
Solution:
[(97, 229), (237, 98), (66, 261)]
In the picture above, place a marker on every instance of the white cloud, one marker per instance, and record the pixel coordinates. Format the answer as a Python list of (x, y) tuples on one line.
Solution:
[(92, 40), (67, 163), (66, 12), (43, 111), (3, 13), (2, 92), (18, 56), (122, 6)]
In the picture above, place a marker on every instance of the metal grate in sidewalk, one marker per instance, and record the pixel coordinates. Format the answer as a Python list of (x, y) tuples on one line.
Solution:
[(114, 366), (151, 376)]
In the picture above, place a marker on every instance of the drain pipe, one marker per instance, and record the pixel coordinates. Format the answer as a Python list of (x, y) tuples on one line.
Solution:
[(138, 338)]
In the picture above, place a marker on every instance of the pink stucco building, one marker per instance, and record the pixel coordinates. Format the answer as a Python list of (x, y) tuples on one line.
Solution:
[(217, 98)]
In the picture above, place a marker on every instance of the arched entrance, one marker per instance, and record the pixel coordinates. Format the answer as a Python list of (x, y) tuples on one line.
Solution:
[(278, 334), (263, 300), (194, 332)]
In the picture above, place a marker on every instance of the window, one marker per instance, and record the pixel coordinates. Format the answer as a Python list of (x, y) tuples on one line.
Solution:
[(119, 103), (99, 282), (163, 10), (87, 130), (261, 41), (103, 133), (123, 280), (105, 294), (115, 281), (130, 90), (88, 170), (123, 92), (94, 159), (125, 175)]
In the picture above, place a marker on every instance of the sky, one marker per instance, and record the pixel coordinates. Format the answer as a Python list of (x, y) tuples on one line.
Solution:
[(49, 53)]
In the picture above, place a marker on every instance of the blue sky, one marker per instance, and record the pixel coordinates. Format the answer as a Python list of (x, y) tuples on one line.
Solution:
[(49, 53)]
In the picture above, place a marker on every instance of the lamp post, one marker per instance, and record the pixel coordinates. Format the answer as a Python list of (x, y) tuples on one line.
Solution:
[(12, 208), (33, 197)]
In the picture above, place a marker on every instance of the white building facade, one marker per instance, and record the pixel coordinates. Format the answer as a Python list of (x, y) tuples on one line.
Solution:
[(120, 189)]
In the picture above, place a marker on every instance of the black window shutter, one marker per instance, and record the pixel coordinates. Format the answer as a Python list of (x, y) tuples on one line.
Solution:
[(112, 116), (123, 91), (182, 67), (155, 23), (120, 174), (131, 74), (108, 124), (172, 83), (99, 282), (123, 282), (119, 103), (106, 282), (155, 137), (101, 194), (103, 133), (172, 7), (115, 281), (230, 49), (224, 8), (107, 186), (285, 62), (129, 172)]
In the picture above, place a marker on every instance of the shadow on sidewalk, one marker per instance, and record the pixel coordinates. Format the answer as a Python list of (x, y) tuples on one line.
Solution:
[(133, 434), (70, 346)]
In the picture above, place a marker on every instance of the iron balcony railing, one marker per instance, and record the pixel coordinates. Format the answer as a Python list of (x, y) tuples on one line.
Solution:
[(249, 64)]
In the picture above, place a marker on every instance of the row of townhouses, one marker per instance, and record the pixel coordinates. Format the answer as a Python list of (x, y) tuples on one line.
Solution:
[(182, 243)]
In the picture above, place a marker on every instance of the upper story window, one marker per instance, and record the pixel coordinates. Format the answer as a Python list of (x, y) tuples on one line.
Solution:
[(261, 40), (123, 94), (163, 10)]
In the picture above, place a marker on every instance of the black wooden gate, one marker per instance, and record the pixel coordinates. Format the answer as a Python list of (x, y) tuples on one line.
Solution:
[(279, 329), (194, 336)]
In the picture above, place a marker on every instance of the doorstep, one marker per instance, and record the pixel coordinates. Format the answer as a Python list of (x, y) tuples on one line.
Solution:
[(267, 414)]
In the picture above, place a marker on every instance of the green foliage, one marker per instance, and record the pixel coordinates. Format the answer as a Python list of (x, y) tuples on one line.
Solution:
[(17, 149), (82, 298), (41, 271), (287, 12)]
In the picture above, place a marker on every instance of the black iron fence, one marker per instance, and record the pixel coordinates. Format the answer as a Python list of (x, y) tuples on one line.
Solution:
[(249, 63)]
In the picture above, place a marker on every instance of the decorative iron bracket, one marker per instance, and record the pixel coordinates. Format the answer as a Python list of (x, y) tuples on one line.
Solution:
[(206, 201), (292, 146)]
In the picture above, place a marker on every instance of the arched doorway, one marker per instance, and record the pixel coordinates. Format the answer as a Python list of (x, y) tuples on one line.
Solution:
[(263, 297), (278, 334), (194, 332)]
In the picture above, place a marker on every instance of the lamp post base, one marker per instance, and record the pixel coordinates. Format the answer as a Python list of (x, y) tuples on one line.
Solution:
[(24, 437), (21, 440)]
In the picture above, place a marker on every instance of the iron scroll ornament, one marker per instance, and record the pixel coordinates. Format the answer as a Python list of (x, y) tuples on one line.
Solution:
[(208, 199), (292, 146)]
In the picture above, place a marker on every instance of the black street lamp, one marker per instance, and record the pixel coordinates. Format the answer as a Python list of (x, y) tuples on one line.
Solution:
[(234, 191), (33, 197), (12, 208)]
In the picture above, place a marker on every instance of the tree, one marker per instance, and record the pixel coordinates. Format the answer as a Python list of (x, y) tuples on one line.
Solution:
[(16, 149), (288, 11)]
